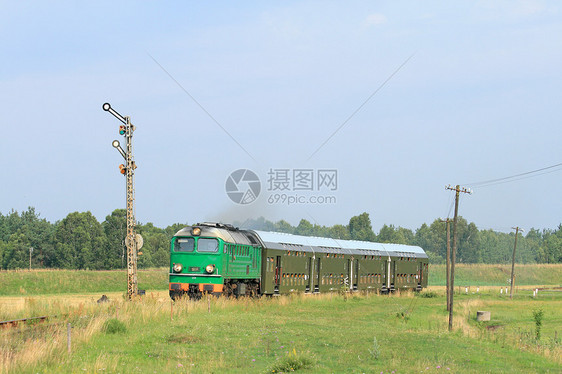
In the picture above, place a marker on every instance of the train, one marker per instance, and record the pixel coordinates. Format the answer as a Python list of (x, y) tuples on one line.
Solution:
[(220, 259)]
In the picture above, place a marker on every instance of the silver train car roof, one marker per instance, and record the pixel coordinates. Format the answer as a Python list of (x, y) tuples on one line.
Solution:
[(290, 242), (278, 240)]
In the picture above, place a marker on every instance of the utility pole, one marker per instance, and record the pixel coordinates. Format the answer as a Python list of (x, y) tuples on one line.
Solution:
[(457, 190), (448, 266), (30, 251), (513, 261), (133, 241)]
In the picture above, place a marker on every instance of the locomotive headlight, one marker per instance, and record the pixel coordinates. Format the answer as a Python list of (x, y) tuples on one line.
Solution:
[(196, 231), (177, 268), (210, 269)]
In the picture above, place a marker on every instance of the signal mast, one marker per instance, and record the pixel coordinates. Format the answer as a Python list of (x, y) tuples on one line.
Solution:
[(133, 241)]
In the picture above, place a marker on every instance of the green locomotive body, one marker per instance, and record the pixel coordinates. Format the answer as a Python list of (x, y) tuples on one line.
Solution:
[(220, 259)]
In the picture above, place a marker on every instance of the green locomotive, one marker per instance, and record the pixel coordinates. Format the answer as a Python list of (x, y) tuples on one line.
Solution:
[(220, 259)]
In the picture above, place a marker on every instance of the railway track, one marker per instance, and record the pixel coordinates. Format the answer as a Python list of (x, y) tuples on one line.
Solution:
[(16, 322)]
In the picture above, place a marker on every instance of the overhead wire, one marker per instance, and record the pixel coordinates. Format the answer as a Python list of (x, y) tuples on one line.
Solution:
[(517, 179), (451, 205), (511, 178)]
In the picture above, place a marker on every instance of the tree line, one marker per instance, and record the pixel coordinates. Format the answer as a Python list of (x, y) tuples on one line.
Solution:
[(473, 246), (80, 241)]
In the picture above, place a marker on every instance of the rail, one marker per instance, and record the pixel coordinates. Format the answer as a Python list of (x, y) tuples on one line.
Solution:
[(15, 322)]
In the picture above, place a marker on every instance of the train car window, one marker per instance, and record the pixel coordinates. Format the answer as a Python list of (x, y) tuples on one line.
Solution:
[(184, 245), (207, 245)]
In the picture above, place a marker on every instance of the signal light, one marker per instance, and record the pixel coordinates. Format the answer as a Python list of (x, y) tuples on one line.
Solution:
[(122, 130), (122, 169)]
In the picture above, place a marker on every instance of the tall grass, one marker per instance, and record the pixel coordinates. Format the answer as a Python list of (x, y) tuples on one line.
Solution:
[(318, 333), (24, 347)]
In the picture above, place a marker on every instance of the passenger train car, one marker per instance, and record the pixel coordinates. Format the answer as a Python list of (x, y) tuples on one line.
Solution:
[(220, 259)]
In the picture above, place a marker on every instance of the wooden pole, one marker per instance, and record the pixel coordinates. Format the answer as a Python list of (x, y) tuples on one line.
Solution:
[(448, 265), (68, 337), (513, 263), (457, 190), (455, 237)]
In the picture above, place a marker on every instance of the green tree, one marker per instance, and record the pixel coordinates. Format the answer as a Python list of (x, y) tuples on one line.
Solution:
[(360, 228), (284, 226), (550, 250), (339, 232), (16, 252), (156, 248), (37, 233), (172, 229), (390, 234), (304, 228), (80, 243), (469, 246), (115, 229)]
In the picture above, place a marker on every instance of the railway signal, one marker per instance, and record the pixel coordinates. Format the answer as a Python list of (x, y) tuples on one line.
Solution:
[(133, 241)]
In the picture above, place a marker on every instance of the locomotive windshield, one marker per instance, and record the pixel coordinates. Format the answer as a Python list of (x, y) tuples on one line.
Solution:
[(207, 245), (184, 245)]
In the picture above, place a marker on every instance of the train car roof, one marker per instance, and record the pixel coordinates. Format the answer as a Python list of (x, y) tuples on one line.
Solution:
[(290, 242), (279, 240)]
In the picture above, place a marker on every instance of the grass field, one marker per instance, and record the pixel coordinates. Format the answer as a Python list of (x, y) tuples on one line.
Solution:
[(311, 334), (498, 275), (48, 282)]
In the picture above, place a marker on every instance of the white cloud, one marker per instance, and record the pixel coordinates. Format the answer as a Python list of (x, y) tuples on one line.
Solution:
[(375, 19)]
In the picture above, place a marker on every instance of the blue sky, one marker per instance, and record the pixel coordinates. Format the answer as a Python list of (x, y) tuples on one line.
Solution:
[(478, 99)]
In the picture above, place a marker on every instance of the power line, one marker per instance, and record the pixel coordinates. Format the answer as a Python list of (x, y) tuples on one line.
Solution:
[(510, 178), (517, 179), (360, 106), (451, 205)]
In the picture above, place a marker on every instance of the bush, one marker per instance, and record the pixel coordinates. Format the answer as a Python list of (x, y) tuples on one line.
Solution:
[(538, 316), (114, 326), (291, 363), (428, 295)]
